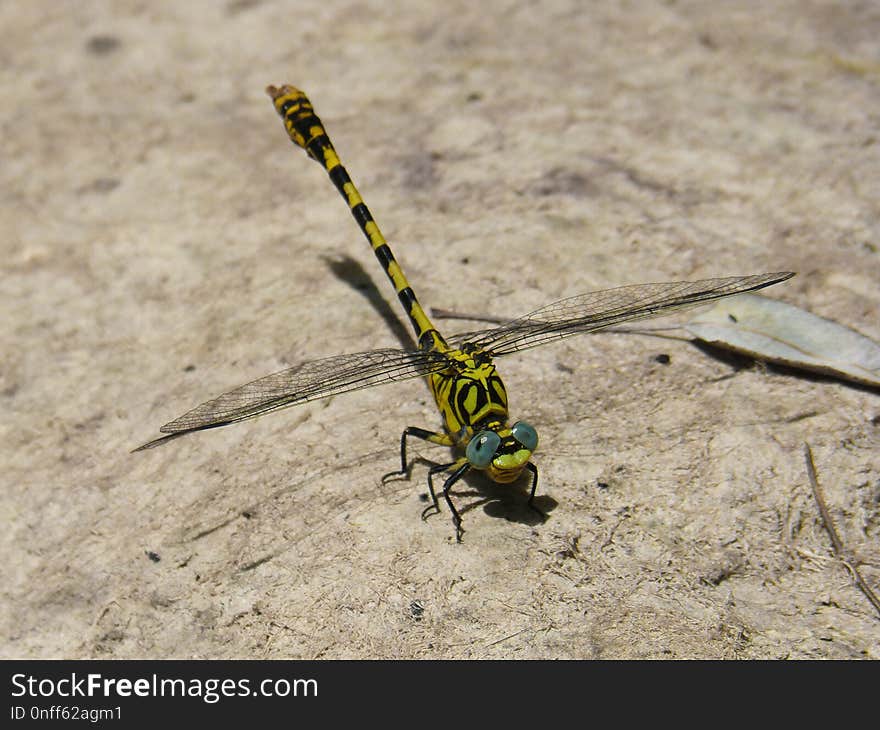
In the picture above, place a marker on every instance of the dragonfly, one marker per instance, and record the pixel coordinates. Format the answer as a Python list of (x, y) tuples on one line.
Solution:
[(467, 388)]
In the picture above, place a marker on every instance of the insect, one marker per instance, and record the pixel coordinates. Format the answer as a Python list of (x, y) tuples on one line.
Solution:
[(461, 373)]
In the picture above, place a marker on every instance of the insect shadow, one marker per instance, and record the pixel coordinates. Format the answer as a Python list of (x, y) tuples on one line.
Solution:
[(507, 501), (350, 271)]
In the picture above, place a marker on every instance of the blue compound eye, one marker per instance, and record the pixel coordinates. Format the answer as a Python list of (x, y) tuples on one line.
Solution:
[(481, 448), (525, 434)]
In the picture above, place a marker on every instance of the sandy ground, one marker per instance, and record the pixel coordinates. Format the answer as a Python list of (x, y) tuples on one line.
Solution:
[(163, 242)]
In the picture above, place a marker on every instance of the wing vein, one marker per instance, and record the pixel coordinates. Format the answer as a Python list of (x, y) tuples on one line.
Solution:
[(596, 310)]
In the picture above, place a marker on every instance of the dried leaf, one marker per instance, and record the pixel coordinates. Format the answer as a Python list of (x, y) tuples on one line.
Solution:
[(781, 333)]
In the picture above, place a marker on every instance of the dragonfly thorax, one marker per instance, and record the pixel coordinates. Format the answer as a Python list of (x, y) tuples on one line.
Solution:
[(468, 392)]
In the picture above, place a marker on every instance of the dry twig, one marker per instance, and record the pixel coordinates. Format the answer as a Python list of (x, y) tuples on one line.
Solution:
[(840, 550)]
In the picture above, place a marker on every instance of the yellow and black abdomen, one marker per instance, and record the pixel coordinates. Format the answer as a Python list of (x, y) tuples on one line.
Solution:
[(307, 131)]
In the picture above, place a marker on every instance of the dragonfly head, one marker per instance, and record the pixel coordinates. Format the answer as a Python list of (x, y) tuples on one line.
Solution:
[(501, 451)]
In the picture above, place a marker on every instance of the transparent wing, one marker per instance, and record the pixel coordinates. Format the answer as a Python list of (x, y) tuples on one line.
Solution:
[(593, 311), (302, 383)]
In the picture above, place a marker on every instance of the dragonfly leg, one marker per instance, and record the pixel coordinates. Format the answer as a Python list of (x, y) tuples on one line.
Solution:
[(435, 505), (447, 485), (532, 468), (461, 466), (441, 439)]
